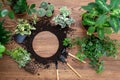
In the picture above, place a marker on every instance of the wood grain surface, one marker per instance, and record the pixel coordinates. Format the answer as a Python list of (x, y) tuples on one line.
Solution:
[(9, 69), (45, 44)]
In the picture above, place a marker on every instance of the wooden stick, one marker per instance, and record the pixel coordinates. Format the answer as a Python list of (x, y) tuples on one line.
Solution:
[(57, 74), (75, 57), (74, 70)]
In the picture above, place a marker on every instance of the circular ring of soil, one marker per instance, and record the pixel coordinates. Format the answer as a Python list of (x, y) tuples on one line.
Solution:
[(56, 30)]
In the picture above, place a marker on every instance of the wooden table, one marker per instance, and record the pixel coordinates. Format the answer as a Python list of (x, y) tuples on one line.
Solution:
[(9, 69)]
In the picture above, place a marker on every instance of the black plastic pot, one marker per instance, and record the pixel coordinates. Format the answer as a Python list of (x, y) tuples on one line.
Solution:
[(20, 38)]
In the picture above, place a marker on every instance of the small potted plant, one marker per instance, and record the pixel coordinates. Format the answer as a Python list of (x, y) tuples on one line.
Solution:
[(20, 55), (63, 18), (101, 17), (20, 7), (46, 10), (23, 30)]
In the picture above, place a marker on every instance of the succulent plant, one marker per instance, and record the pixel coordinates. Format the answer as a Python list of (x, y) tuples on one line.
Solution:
[(41, 12), (46, 9), (51, 7), (48, 13), (44, 5)]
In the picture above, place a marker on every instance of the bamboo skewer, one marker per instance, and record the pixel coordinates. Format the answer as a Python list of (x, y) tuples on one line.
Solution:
[(75, 57), (73, 70)]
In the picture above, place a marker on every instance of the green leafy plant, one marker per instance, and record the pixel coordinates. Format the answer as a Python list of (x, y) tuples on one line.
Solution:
[(21, 6), (5, 12), (4, 34), (2, 49), (101, 17), (46, 9), (34, 19), (67, 42), (21, 56), (63, 19), (24, 27), (93, 48)]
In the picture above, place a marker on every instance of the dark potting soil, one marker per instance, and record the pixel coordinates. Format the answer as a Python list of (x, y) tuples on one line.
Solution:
[(32, 67), (56, 30)]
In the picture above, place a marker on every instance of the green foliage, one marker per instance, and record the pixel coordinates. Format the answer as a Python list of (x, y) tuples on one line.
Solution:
[(21, 56), (64, 11), (46, 9), (51, 7), (5, 12), (67, 42), (31, 9), (24, 27), (4, 34), (42, 12), (44, 5), (48, 13), (94, 48), (34, 19), (63, 18), (21, 6), (2, 49), (102, 16)]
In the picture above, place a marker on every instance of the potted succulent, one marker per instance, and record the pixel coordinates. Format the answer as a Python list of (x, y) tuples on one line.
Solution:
[(4, 12), (101, 17), (23, 29), (46, 10), (20, 7), (63, 18)]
